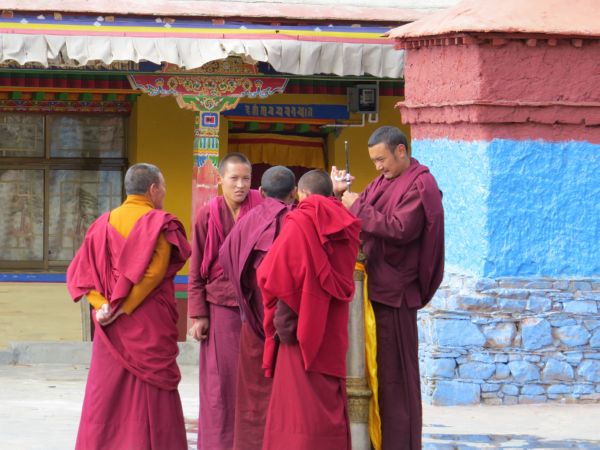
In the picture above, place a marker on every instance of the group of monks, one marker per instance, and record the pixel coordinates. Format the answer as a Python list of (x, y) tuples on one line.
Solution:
[(270, 283)]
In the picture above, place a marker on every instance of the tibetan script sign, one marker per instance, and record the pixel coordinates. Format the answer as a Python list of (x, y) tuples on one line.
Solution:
[(319, 112)]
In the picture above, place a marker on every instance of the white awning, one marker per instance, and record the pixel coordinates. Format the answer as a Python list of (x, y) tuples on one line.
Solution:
[(287, 56)]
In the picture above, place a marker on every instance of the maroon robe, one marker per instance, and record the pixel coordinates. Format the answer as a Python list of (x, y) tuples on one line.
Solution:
[(403, 240), (131, 399), (211, 294), (241, 253), (310, 268)]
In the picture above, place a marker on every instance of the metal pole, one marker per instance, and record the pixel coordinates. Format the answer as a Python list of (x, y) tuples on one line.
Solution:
[(357, 389)]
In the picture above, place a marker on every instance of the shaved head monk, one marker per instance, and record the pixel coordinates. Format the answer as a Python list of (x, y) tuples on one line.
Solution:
[(307, 283), (213, 303), (241, 254), (403, 239), (126, 267)]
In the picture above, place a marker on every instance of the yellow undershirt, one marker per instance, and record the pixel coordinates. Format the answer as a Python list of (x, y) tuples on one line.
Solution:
[(123, 220)]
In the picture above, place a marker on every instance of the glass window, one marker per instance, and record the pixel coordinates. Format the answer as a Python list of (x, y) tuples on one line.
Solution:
[(76, 199), (58, 173), (21, 135), (22, 218), (86, 137)]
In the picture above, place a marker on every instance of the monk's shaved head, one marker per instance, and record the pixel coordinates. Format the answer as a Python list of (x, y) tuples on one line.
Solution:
[(140, 177), (278, 182), (392, 137), (233, 158), (316, 182)]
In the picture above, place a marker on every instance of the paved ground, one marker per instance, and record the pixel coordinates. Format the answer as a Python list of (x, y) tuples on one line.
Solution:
[(40, 407), (40, 404)]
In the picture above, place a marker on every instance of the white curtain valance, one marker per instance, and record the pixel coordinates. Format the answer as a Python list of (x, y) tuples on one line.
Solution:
[(286, 56)]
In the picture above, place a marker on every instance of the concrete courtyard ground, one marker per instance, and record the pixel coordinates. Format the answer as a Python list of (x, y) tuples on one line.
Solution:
[(40, 403), (40, 406)]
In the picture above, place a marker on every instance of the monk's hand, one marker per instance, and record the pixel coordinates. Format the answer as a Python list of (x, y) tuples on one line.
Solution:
[(340, 180), (112, 317), (349, 198), (105, 315), (199, 329)]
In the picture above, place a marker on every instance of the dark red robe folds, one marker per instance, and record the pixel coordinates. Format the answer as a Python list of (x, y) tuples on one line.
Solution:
[(310, 268), (206, 281), (403, 240), (131, 398), (211, 294), (241, 253)]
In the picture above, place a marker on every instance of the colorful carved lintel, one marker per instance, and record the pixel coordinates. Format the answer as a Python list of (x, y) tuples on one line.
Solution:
[(202, 103), (204, 87)]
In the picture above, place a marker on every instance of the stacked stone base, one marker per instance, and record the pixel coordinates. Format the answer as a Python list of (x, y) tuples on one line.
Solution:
[(511, 340)]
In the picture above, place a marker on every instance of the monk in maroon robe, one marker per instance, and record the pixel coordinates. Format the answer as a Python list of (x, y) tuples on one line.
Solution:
[(307, 284), (126, 267), (213, 303), (403, 239), (241, 254)]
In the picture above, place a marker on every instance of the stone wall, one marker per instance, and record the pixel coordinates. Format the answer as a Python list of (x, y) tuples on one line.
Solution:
[(511, 340)]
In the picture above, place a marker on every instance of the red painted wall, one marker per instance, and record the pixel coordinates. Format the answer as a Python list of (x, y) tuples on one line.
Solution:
[(517, 90)]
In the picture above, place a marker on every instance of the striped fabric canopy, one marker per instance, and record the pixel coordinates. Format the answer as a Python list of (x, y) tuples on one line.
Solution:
[(77, 41)]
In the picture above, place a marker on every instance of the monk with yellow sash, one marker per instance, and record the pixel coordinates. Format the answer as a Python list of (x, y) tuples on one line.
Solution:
[(402, 232)]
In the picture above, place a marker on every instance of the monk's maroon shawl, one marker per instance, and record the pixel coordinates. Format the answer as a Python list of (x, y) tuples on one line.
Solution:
[(403, 236), (111, 264), (310, 267), (215, 235), (212, 224), (251, 238)]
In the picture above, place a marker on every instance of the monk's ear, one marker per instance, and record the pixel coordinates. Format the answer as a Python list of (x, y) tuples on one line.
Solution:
[(401, 150), (302, 194), (292, 196), (260, 189)]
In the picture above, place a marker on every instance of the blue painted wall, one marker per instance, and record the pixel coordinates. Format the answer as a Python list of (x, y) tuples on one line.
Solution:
[(462, 171), (518, 208)]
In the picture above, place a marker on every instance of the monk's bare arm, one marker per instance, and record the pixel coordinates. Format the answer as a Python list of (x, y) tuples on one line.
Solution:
[(404, 225), (153, 276)]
